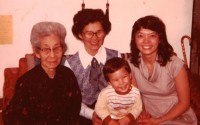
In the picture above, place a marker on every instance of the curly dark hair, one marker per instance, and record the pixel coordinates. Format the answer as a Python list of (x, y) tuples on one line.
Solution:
[(165, 50), (86, 16)]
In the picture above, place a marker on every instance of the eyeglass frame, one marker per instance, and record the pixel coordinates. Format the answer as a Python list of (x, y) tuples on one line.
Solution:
[(47, 51), (102, 33)]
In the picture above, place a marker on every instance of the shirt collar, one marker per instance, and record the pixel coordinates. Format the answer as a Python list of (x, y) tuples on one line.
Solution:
[(86, 58)]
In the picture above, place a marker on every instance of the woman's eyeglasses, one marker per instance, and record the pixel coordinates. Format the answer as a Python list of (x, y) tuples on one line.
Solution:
[(90, 34), (55, 50)]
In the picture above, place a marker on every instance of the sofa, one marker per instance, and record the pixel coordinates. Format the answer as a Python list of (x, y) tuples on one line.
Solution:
[(28, 62)]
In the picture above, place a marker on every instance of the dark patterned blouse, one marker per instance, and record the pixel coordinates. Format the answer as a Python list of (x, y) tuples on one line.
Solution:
[(39, 100)]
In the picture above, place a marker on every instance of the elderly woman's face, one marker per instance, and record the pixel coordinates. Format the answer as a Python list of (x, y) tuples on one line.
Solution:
[(93, 36), (50, 52)]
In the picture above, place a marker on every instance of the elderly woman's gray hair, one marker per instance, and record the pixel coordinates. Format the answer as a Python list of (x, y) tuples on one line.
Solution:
[(43, 29)]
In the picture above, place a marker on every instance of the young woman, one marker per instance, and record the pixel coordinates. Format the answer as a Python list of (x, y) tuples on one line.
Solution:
[(160, 75)]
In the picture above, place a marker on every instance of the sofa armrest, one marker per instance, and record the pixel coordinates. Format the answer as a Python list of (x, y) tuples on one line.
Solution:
[(11, 76)]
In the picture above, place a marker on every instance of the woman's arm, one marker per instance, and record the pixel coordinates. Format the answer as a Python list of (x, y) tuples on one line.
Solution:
[(183, 93)]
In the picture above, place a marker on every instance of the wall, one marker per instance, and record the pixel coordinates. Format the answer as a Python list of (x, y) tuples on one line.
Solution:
[(177, 16)]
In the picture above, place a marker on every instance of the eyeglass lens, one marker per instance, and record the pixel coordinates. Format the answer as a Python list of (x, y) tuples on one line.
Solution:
[(90, 34), (56, 50)]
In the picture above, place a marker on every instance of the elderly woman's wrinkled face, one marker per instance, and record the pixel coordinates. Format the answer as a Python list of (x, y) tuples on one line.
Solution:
[(93, 36), (50, 52)]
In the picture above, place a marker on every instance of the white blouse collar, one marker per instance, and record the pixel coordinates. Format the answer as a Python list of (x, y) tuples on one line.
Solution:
[(86, 58)]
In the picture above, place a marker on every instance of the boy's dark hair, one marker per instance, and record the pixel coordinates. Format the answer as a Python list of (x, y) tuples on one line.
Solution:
[(115, 64)]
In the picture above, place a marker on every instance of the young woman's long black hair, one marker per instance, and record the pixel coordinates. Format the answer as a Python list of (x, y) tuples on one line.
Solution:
[(165, 50)]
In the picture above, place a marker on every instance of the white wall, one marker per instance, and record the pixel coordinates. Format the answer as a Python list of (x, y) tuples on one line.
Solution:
[(177, 15)]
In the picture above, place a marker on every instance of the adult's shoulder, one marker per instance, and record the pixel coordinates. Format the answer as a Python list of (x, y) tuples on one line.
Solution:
[(27, 77), (72, 57), (132, 66), (113, 50), (175, 65), (32, 72), (62, 68), (175, 60)]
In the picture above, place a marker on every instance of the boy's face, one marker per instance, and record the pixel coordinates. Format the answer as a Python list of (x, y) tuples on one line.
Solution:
[(120, 80)]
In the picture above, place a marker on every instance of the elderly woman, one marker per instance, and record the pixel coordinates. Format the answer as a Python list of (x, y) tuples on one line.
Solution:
[(160, 75), (91, 26), (48, 94)]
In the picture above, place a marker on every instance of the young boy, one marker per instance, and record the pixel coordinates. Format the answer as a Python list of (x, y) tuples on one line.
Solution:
[(120, 102)]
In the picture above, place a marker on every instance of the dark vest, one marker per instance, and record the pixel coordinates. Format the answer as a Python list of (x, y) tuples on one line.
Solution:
[(89, 91)]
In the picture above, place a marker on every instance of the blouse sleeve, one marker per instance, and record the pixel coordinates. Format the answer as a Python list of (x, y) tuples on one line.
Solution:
[(175, 65)]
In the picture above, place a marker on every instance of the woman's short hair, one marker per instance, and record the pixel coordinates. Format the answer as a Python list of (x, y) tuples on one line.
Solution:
[(165, 50), (113, 65), (43, 29), (86, 16)]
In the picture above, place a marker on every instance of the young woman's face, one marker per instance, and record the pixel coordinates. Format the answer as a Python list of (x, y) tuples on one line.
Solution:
[(93, 36), (147, 42), (120, 80), (50, 52)]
